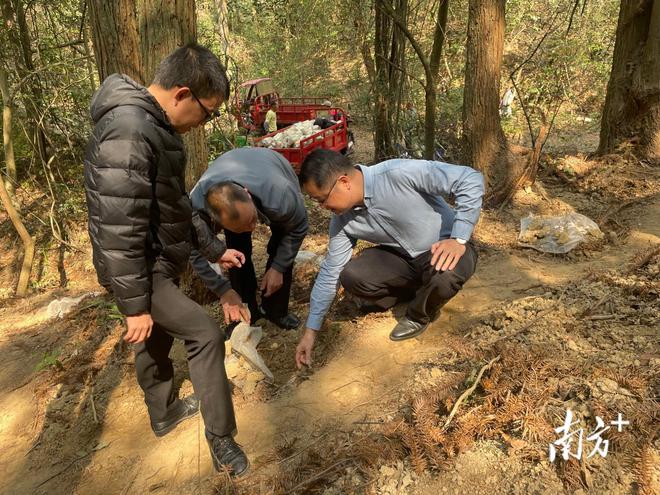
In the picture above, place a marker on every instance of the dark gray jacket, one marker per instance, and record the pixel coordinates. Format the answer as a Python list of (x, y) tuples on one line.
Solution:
[(140, 216), (273, 184)]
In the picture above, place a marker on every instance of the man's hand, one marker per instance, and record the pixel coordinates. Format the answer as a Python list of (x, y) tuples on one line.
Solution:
[(139, 328), (233, 307), (231, 259), (271, 282), (446, 254), (304, 348)]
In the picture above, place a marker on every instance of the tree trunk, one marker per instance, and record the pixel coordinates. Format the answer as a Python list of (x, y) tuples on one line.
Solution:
[(120, 46), (86, 47), (221, 26), (432, 78), (360, 19), (164, 26), (7, 140), (14, 216), (396, 69), (19, 36), (430, 65), (389, 54), (484, 144), (115, 38), (35, 105), (632, 104), (382, 136)]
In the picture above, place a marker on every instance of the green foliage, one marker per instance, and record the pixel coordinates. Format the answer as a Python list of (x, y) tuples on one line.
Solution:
[(50, 361), (72, 204), (113, 313), (562, 61), (106, 309), (221, 140), (309, 48)]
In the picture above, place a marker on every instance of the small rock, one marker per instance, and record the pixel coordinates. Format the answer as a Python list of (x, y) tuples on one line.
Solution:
[(572, 345), (436, 373), (510, 314), (607, 385), (387, 471)]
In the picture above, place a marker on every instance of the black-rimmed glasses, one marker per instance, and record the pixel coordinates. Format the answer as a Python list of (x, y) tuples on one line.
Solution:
[(209, 116)]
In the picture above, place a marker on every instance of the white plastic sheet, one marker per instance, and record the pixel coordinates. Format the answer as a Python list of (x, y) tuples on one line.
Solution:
[(557, 235)]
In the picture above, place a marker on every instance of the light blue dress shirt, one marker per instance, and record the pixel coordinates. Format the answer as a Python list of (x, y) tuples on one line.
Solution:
[(403, 208)]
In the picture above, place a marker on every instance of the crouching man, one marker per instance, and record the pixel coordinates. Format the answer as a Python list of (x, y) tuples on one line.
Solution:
[(422, 253)]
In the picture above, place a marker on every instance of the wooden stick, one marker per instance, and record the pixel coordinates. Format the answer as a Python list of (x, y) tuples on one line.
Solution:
[(132, 480), (91, 401), (68, 466), (469, 391), (602, 300), (525, 327), (317, 476), (644, 260), (600, 317), (311, 444)]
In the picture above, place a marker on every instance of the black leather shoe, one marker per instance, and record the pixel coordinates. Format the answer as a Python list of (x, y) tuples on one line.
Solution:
[(287, 322), (225, 452), (181, 410), (407, 329)]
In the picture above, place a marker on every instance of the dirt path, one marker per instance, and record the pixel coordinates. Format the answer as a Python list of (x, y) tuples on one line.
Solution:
[(55, 441)]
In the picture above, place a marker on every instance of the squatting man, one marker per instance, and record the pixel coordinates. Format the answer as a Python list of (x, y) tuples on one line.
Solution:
[(422, 253)]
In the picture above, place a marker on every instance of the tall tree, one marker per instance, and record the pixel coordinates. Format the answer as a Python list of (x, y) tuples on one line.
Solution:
[(431, 64), (221, 26), (133, 40), (115, 38), (21, 39), (484, 143), (389, 53), (632, 104), (164, 26), (14, 215)]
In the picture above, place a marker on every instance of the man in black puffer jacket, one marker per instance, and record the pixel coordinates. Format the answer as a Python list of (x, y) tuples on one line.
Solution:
[(141, 228)]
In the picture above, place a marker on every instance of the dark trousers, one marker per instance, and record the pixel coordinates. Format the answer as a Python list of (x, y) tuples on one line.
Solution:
[(383, 276), (244, 280), (176, 316)]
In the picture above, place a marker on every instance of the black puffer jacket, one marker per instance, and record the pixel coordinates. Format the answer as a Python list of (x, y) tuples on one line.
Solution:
[(140, 216)]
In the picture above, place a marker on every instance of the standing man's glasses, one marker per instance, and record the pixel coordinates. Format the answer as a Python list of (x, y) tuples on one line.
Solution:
[(209, 116)]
